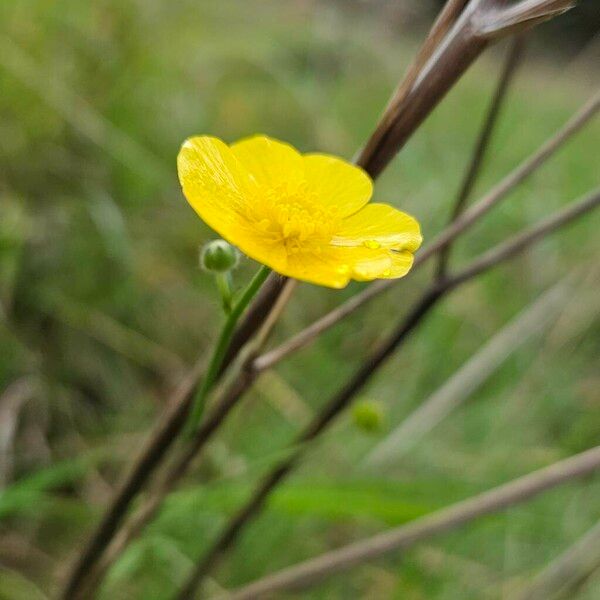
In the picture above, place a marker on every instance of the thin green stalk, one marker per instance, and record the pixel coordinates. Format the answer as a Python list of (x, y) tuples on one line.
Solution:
[(224, 284), (221, 348)]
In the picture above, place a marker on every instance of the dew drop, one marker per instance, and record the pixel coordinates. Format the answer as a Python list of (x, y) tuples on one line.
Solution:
[(372, 244)]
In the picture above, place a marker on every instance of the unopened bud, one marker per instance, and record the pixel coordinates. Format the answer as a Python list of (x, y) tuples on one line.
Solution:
[(218, 256)]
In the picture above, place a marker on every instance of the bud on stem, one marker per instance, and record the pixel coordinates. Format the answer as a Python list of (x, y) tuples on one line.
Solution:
[(220, 257)]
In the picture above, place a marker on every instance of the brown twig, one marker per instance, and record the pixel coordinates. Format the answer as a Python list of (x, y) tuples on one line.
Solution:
[(513, 58), (536, 160), (403, 537), (437, 290), (501, 16), (160, 442), (464, 221)]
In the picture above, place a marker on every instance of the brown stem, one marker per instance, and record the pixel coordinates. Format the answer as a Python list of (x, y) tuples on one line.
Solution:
[(455, 391), (173, 474), (511, 62), (481, 22), (270, 292), (171, 424), (501, 17), (437, 290), (403, 537), (526, 168)]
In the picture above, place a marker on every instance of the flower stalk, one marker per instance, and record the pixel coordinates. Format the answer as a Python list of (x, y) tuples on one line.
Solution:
[(220, 350), (225, 286)]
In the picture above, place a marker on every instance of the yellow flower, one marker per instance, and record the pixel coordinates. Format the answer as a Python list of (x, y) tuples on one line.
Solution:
[(305, 216)]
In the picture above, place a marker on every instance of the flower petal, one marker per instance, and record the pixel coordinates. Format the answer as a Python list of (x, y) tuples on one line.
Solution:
[(338, 185), (215, 184), (336, 266), (379, 225), (401, 264), (366, 264), (256, 245), (269, 161), (318, 268)]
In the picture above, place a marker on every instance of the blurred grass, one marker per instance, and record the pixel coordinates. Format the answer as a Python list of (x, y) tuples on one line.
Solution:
[(103, 305)]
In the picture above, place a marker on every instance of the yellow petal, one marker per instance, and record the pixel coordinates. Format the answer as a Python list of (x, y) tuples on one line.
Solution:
[(215, 184), (379, 225), (270, 162), (401, 264), (335, 266), (367, 264), (255, 244), (338, 185), (318, 268)]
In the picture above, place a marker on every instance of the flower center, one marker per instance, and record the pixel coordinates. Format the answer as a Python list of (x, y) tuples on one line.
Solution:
[(293, 216)]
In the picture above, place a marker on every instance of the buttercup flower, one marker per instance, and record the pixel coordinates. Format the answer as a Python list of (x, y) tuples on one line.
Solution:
[(305, 216)]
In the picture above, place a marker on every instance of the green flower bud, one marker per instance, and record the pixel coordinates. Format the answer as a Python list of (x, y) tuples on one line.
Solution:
[(218, 256), (368, 415)]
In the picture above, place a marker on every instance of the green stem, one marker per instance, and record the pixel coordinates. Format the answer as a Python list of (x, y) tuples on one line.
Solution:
[(224, 284), (221, 348)]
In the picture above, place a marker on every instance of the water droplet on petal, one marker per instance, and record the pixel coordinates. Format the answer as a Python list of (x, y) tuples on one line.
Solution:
[(372, 244)]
